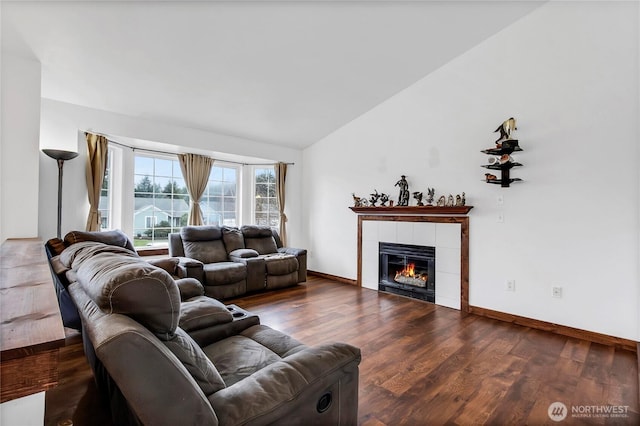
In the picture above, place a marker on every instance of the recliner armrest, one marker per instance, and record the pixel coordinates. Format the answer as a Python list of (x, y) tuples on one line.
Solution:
[(294, 251), (243, 254), (167, 263), (189, 288), (190, 268), (301, 255)]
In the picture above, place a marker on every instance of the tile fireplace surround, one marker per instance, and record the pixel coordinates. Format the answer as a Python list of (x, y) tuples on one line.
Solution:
[(448, 234)]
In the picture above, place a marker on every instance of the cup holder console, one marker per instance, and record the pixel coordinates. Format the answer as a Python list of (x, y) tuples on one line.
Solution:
[(236, 312)]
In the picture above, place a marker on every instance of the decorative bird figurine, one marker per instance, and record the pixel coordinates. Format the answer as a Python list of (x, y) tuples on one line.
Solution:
[(418, 197), (505, 129)]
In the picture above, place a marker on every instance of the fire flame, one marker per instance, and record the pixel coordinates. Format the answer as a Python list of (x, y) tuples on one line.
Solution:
[(410, 271)]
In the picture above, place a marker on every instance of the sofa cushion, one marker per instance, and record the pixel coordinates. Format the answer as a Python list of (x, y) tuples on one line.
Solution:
[(256, 231), (281, 344), (201, 312), (196, 362), (233, 238), (237, 357), (223, 273), (73, 256), (259, 238), (203, 243), (114, 238), (200, 233), (256, 347), (127, 285)]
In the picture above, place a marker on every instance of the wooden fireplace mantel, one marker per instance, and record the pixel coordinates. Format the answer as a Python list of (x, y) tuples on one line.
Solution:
[(417, 210)]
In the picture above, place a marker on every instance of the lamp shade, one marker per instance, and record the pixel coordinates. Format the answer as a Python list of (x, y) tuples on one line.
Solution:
[(59, 154)]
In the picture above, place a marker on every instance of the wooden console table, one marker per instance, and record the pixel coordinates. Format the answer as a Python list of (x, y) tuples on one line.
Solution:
[(31, 329)]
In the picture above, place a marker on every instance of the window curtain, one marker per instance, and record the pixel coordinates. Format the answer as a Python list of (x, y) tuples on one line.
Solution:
[(281, 177), (195, 170), (97, 148)]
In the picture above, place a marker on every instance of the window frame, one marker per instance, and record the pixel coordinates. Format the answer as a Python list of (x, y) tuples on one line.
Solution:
[(157, 242), (122, 205), (238, 194), (254, 194)]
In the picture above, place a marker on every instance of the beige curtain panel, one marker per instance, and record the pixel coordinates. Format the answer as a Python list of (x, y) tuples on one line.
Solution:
[(195, 170), (281, 177), (97, 148)]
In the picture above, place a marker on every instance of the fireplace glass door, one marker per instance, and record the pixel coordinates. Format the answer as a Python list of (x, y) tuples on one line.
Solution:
[(408, 270)]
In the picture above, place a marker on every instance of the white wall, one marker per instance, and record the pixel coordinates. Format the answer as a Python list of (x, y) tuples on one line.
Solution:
[(63, 125), (569, 73), (20, 154), (25, 411)]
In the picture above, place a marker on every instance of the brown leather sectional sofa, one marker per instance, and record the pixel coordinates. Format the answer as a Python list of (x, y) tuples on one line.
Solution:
[(165, 354), (231, 261)]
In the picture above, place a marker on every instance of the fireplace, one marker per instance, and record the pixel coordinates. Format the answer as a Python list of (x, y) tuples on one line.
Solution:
[(408, 270)]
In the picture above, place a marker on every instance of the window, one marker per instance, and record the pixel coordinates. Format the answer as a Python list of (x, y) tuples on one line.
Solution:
[(266, 204), (104, 206), (219, 202), (150, 221), (161, 199)]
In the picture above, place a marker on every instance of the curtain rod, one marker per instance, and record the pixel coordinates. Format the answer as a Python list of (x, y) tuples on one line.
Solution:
[(173, 153)]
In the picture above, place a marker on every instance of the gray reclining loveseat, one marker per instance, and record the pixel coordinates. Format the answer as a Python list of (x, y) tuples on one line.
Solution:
[(231, 261), (219, 368)]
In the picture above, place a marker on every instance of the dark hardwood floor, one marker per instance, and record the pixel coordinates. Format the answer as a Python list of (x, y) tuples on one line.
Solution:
[(422, 364)]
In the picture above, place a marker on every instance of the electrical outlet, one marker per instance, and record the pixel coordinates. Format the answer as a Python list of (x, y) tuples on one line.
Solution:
[(557, 292), (500, 217), (510, 285), (500, 200)]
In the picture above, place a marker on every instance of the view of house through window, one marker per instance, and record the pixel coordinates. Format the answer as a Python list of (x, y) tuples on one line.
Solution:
[(161, 200), (161, 204), (266, 204)]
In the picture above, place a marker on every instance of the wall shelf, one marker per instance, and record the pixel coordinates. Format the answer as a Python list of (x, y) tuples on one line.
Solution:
[(506, 148), (423, 210), (504, 166)]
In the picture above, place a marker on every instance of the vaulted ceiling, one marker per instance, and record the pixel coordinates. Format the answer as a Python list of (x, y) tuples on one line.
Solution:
[(285, 72)]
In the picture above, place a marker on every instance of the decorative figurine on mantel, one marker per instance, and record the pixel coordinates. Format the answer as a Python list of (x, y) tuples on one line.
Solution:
[(441, 201), (505, 129), (460, 200), (383, 199), (430, 194), (418, 197), (374, 198), (358, 201), (449, 201), (403, 196)]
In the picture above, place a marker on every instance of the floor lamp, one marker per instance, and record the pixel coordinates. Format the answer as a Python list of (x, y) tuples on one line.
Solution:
[(61, 156)]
